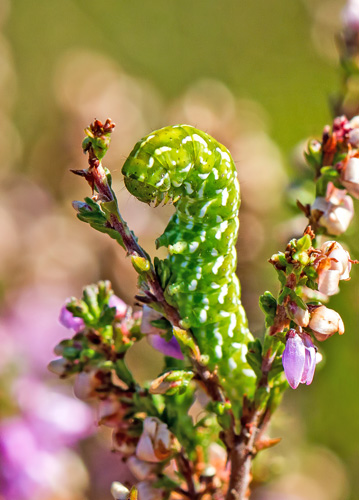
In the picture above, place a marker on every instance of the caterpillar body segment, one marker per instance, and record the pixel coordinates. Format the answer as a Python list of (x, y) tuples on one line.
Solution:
[(189, 167)]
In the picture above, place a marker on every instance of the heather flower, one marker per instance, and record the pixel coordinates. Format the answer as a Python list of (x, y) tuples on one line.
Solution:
[(333, 266), (350, 15), (156, 442), (299, 359), (147, 492), (335, 211), (68, 320), (297, 314), (350, 176), (168, 348), (325, 322)]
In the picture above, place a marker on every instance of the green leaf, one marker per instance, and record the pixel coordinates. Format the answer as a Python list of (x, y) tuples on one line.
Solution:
[(268, 305)]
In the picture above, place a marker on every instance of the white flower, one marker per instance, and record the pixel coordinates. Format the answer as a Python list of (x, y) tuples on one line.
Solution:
[(337, 210), (156, 442), (350, 176)]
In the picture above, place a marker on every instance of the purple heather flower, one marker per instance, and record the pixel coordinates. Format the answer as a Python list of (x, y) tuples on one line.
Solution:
[(170, 348), (68, 320), (299, 359)]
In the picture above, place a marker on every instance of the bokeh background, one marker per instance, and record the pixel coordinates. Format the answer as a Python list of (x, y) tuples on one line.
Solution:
[(257, 76)]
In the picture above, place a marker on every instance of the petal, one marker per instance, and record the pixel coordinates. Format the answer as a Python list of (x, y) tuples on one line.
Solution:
[(310, 360), (293, 360), (144, 449), (328, 282), (170, 348), (121, 306)]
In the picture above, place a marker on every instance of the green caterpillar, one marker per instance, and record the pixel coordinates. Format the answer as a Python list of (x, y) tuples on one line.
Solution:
[(189, 167)]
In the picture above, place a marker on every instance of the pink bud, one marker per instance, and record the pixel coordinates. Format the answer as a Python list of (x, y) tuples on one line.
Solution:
[(350, 15), (58, 366), (297, 314), (121, 306), (325, 322), (299, 359), (68, 320), (85, 385)]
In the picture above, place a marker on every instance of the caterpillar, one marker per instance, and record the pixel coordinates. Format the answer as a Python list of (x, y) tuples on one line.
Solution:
[(190, 168)]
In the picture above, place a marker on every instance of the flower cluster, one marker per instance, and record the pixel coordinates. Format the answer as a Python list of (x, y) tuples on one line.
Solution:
[(306, 274), (336, 164)]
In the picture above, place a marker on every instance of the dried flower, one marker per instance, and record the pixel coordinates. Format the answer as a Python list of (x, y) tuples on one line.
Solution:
[(325, 322), (299, 359), (333, 265), (156, 442)]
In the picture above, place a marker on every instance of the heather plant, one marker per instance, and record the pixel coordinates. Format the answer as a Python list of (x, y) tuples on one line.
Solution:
[(194, 431)]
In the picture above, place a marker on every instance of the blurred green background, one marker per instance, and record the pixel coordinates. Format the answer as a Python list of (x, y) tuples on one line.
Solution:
[(258, 74)]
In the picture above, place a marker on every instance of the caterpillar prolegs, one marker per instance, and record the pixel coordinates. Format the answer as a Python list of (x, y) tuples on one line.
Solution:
[(189, 167)]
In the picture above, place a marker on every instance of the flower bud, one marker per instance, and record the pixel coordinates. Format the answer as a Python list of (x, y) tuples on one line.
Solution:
[(86, 384), (68, 320), (119, 304), (58, 366), (297, 314), (156, 442), (119, 491), (81, 205), (171, 382), (350, 15), (339, 258), (325, 322)]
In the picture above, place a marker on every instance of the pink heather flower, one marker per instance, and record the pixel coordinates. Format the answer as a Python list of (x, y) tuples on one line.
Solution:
[(297, 314), (168, 348), (121, 306), (350, 176), (337, 208), (68, 320), (299, 359)]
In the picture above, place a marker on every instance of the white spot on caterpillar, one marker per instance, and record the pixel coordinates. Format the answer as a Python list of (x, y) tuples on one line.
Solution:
[(214, 252), (218, 351), (223, 293), (188, 188), (193, 285), (222, 227), (215, 173), (199, 139), (218, 264), (218, 337), (193, 246), (219, 218), (186, 169), (203, 176), (244, 349), (161, 150), (151, 162), (248, 372), (186, 139), (203, 316), (161, 181), (198, 276), (203, 210), (225, 196), (189, 225), (205, 301), (146, 140), (232, 324), (232, 364), (200, 192), (214, 285), (237, 345)]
